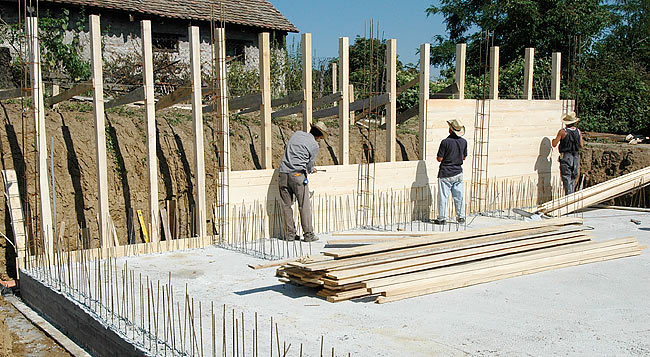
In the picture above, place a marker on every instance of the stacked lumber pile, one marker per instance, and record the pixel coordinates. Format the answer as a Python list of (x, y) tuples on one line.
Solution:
[(596, 194), (409, 267)]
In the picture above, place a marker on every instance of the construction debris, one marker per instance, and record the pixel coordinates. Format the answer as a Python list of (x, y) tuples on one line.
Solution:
[(596, 194), (409, 267)]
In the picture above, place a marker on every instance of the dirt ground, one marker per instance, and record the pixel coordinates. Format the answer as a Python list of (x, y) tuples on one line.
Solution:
[(18, 337)]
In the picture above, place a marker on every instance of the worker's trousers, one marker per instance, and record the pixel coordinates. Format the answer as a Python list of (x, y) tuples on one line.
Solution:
[(293, 185), (569, 169), (456, 186)]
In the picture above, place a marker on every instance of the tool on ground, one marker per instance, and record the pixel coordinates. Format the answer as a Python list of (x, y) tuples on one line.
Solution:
[(635, 221)]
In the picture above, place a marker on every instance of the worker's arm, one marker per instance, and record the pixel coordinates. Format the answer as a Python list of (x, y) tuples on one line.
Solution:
[(560, 135), (442, 151), (440, 159), (313, 153)]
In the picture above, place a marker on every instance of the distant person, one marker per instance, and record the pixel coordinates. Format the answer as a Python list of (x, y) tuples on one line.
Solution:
[(297, 162), (451, 155), (570, 140)]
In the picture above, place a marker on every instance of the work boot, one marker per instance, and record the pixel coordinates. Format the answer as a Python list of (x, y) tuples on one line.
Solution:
[(439, 221), (291, 238), (309, 237)]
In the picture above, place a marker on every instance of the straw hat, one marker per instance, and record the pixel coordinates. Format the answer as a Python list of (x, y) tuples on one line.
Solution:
[(322, 127), (456, 127), (569, 118)]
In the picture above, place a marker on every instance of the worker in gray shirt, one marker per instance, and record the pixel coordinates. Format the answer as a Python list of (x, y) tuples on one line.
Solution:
[(298, 160)]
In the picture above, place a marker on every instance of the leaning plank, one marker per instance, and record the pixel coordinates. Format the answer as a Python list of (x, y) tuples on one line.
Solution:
[(508, 272), (361, 104), (411, 280), (174, 97), (446, 92), (72, 92), (14, 93), (411, 83), (407, 114), (292, 97), (413, 242), (131, 97)]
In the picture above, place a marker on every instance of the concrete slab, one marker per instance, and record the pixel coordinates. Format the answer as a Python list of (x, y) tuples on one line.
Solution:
[(595, 309)]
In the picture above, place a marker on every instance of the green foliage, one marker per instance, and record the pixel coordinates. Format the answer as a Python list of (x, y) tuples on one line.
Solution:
[(240, 81)]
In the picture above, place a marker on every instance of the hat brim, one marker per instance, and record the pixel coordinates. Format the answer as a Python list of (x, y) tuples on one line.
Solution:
[(460, 132), (320, 129), (570, 121)]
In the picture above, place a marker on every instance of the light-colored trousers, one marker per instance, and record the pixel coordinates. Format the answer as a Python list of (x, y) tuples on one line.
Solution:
[(456, 186)]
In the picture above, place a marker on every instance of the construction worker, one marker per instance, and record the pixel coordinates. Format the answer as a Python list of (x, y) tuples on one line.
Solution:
[(298, 161), (451, 155), (570, 141)]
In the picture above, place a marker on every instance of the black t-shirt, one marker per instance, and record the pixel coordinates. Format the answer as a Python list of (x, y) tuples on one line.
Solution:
[(453, 150)]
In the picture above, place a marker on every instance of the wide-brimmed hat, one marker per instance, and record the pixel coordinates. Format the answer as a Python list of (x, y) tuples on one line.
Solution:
[(322, 127), (570, 118), (456, 127)]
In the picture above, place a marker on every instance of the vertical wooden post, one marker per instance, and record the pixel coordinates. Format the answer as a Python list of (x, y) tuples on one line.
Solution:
[(150, 115), (55, 91), (47, 231), (307, 102), (265, 109), (461, 53), (494, 72), (344, 102), (100, 129), (223, 125), (197, 115), (391, 106), (334, 75), (529, 67), (425, 50), (351, 100), (556, 65)]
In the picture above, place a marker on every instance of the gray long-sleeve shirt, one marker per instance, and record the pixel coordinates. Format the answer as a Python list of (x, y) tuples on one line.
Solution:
[(300, 153)]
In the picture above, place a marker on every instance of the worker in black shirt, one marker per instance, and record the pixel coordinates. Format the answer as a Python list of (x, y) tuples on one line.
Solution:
[(451, 154), (570, 141)]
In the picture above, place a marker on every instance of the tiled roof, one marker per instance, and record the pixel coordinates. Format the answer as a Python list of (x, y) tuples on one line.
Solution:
[(256, 13)]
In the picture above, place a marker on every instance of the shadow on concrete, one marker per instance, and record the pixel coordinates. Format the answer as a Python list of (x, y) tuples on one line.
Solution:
[(645, 229), (284, 289), (543, 166), (75, 174)]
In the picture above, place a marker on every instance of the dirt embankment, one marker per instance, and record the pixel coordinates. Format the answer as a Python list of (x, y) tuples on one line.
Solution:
[(71, 130), (604, 161)]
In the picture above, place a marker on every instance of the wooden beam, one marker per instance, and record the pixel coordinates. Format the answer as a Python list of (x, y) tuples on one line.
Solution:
[(461, 53), (131, 97), (307, 101), (334, 79), (100, 130), (413, 82), (319, 102), (74, 91), (14, 93), (361, 104), (181, 93), (351, 92), (197, 116), (55, 91), (529, 67), (391, 106), (425, 50), (265, 108), (147, 93), (556, 75), (344, 103), (494, 72), (296, 96)]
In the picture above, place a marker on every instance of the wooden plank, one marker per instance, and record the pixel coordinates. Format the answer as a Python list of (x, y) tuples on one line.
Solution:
[(164, 219), (529, 68), (510, 270), (446, 92), (72, 92), (265, 108), (461, 54), (181, 93), (391, 105), (307, 100), (455, 235), (290, 98), (143, 226), (147, 93), (556, 73), (131, 97), (453, 257), (407, 114), (275, 263), (100, 129), (14, 93), (319, 102), (344, 103), (197, 116), (494, 73), (459, 284), (425, 50), (405, 281), (410, 84), (361, 104)]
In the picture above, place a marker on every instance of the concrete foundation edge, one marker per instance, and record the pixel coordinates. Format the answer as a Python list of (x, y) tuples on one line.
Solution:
[(73, 321)]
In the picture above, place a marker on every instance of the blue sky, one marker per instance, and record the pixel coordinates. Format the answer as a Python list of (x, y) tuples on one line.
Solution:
[(404, 20)]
